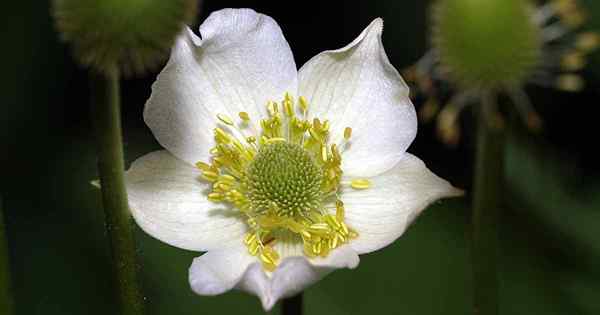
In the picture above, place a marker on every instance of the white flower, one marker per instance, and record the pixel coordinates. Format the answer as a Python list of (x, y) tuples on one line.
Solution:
[(294, 188)]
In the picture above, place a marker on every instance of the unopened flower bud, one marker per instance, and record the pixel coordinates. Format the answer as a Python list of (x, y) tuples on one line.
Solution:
[(132, 35), (486, 44)]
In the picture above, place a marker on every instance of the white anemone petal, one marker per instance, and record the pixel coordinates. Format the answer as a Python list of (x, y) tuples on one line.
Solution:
[(356, 86), (381, 213), (218, 271), (168, 201), (294, 274), (241, 62)]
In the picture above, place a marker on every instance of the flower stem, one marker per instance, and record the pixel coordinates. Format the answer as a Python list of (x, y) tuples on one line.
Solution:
[(292, 305), (107, 124), (488, 184), (6, 298)]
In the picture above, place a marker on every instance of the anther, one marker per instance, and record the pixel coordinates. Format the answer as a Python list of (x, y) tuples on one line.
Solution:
[(210, 176), (323, 153), (225, 119), (587, 42), (222, 136), (570, 83), (347, 133), (303, 104), (273, 140), (360, 183), (203, 166), (288, 108), (573, 61), (272, 108), (215, 197), (339, 210), (244, 116)]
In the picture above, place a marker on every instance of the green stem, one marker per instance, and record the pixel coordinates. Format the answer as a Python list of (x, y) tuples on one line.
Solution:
[(107, 124), (488, 185), (6, 298), (292, 305)]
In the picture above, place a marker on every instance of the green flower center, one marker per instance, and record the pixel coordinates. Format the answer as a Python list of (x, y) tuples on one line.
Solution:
[(285, 178)]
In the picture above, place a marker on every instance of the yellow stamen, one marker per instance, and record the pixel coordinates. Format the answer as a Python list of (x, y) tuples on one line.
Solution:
[(210, 176), (339, 210), (360, 183), (273, 140), (347, 133), (215, 197), (222, 136), (324, 153), (570, 83), (244, 116), (203, 166), (587, 42), (573, 61), (225, 119), (305, 218), (272, 108), (303, 104)]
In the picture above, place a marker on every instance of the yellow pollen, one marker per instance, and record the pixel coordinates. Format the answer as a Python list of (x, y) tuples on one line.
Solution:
[(285, 180)]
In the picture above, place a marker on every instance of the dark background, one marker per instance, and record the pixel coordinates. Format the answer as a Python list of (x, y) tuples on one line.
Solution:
[(550, 239)]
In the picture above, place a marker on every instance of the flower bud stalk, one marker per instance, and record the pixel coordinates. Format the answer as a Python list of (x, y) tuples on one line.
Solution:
[(487, 190), (119, 225)]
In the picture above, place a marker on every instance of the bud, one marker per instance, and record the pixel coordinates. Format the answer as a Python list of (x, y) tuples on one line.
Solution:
[(486, 44), (486, 48), (132, 35)]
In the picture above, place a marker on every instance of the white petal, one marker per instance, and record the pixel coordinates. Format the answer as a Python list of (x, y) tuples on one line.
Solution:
[(294, 274), (241, 62), (356, 86), (218, 271), (382, 213), (168, 201)]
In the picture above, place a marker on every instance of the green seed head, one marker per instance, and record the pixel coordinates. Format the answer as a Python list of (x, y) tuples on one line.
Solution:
[(285, 178), (132, 35), (486, 43)]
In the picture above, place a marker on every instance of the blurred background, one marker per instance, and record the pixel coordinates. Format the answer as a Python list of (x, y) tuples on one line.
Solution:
[(550, 227)]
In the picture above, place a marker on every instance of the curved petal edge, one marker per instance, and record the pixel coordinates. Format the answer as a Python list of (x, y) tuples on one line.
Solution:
[(357, 87), (241, 62), (383, 212)]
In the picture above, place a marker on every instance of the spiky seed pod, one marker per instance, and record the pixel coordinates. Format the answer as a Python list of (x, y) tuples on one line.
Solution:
[(486, 44), (133, 35)]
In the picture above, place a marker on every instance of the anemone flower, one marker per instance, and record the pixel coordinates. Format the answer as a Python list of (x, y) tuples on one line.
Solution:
[(280, 175)]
